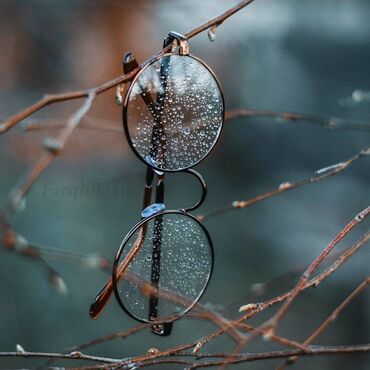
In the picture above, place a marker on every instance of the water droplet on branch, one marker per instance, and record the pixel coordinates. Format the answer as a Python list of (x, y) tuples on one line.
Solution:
[(212, 33)]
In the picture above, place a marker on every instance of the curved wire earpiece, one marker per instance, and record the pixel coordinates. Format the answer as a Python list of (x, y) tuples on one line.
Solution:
[(203, 184)]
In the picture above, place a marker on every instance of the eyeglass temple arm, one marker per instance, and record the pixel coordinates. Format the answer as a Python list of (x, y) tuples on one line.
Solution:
[(103, 296), (203, 184)]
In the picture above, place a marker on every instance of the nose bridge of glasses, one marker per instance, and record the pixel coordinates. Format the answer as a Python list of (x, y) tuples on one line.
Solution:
[(158, 206)]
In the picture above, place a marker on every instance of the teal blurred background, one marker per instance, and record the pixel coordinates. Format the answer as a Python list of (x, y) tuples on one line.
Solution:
[(280, 55)]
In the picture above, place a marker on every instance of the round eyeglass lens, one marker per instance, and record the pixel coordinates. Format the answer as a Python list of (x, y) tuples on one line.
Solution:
[(170, 271), (174, 112)]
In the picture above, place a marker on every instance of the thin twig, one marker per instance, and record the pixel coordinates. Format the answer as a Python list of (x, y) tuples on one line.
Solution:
[(89, 260), (332, 317), (164, 356), (99, 124), (282, 354), (88, 123), (327, 122), (68, 356), (53, 146), (51, 99), (279, 339), (12, 241), (269, 327), (272, 324), (235, 358), (253, 309), (319, 175)]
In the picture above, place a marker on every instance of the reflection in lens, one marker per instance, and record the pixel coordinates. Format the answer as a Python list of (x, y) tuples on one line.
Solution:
[(182, 125), (170, 271)]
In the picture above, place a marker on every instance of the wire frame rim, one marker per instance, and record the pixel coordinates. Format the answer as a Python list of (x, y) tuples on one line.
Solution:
[(127, 98), (131, 233)]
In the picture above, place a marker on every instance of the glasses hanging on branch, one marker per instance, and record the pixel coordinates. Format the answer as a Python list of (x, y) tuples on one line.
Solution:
[(173, 113)]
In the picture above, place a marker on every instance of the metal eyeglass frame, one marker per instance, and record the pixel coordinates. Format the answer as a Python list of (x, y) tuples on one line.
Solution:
[(157, 210)]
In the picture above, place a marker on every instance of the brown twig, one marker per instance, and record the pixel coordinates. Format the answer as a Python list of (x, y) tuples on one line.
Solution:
[(319, 175), (10, 240), (272, 324), (332, 317), (269, 327), (253, 309), (327, 122), (165, 356), (67, 356), (278, 339), (53, 146), (98, 124), (88, 123), (89, 260), (200, 313), (57, 98), (51, 99), (284, 341), (218, 20), (236, 359)]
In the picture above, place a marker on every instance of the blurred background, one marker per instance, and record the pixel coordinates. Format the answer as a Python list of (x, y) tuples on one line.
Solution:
[(281, 55)]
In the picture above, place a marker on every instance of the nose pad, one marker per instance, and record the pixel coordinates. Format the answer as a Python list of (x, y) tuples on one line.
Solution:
[(153, 209)]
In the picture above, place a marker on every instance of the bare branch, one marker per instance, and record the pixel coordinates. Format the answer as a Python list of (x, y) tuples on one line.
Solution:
[(319, 175), (253, 309), (236, 359), (165, 356), (313, 267), (327, 122), (53, 146), (68, 356), (99, 124), (332, 317), (51, 99)]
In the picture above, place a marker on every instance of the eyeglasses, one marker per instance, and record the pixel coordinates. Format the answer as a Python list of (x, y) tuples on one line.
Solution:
[(173, 115)]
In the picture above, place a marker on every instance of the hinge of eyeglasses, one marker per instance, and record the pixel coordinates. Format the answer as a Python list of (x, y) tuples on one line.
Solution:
[(177, 40)]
